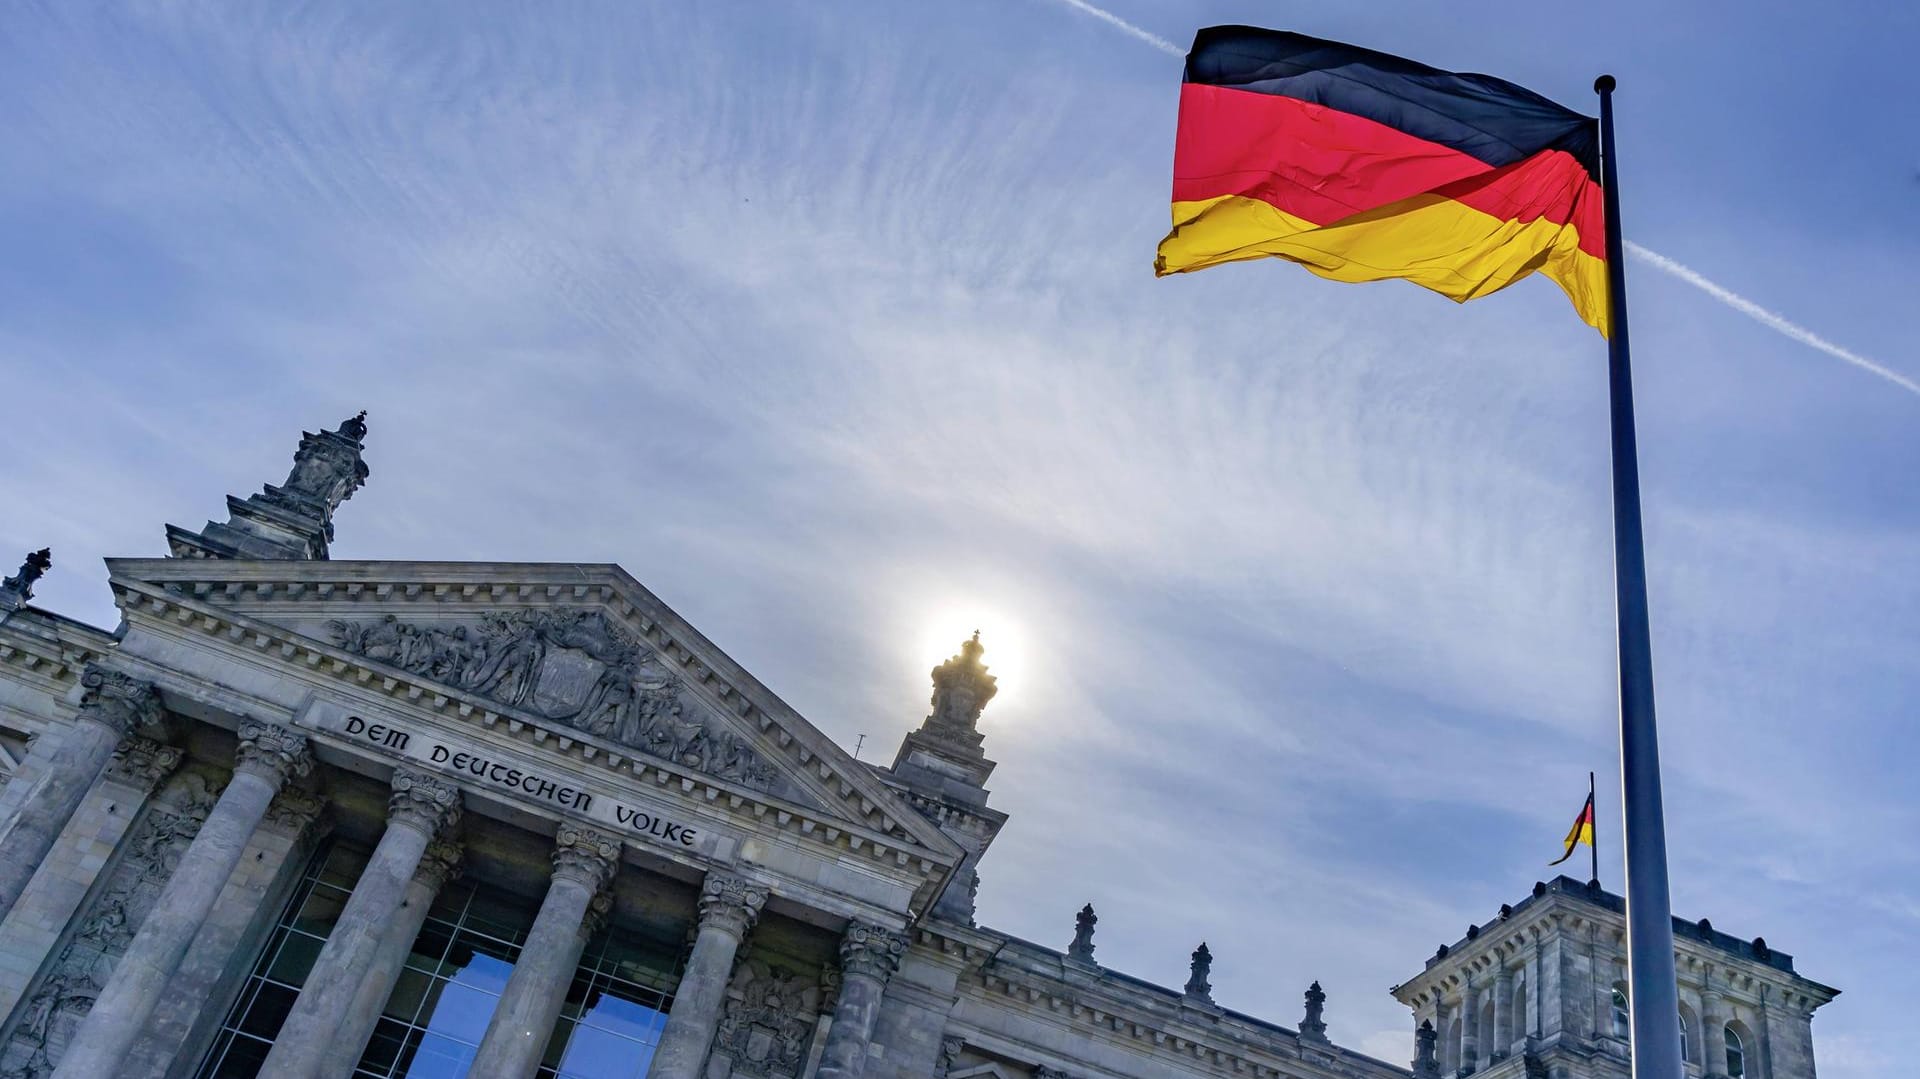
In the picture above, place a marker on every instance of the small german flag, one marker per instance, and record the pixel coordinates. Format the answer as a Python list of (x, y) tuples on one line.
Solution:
[(1363, 166), (1582, 831)]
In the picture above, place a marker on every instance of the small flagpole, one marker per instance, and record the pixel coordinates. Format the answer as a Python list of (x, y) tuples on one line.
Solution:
[(1654, 998), (1593, 811)]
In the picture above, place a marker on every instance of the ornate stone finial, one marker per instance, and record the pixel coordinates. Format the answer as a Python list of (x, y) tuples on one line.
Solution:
[(1197, 985), (16, 590), (1426, 1061), (1081, 950), (295, 519), (272, 752), (120, 701), (423, 802), (1314, 1026), (731, 903), (871, 950), (961, 689)]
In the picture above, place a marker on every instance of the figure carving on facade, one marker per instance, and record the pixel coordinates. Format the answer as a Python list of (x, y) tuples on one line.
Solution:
[(769, 1019), (950, 1049), (570, 666), (961, 689), (1197, 985), (1081, 950), (16, 590), (1426, 1060)]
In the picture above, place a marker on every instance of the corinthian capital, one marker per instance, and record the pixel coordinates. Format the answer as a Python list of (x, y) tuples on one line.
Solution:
[(871, 950), (423, 802), (272, 752), (440, 864), (143, 763), (585, 855), (119, 701), (731, 903)]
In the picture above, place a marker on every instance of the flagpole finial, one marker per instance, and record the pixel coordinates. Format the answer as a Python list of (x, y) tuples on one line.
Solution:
[(1603, 85)]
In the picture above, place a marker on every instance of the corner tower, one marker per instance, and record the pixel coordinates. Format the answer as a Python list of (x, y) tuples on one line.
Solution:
[(295, 519)]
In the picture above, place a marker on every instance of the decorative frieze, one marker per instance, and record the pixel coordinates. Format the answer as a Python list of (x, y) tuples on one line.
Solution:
[(574, 667)]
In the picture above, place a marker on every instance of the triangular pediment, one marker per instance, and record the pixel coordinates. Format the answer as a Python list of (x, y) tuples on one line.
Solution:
[(581, 651)]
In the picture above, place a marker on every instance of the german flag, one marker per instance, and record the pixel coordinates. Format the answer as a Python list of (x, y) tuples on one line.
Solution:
[(1582, 831), (1362, 166)]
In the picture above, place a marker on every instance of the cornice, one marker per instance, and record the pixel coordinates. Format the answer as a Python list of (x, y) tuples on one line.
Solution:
[(184, 606), (48, 650), (1157, 1021)]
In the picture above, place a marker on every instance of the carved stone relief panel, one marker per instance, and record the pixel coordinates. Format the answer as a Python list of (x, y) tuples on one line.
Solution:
[(572, 666), (77, 973), (770, 1016)]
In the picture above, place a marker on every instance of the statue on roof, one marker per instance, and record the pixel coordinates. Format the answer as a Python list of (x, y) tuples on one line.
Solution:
[(16, 590), (961, 689)]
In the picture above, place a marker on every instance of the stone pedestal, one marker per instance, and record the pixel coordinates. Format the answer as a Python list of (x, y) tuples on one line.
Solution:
[(421, 806), (584, 862), (113, 707), (268, 754), (728, 908), (440, 864), (869, 955)]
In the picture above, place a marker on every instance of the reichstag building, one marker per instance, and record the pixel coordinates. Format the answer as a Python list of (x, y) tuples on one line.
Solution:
[(312, 819)]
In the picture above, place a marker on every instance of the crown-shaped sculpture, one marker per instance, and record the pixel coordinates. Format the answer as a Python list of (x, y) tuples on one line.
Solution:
[(295, 519), (961, 689)]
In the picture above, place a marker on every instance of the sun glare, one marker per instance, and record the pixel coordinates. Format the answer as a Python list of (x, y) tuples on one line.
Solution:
[(1003, 637)]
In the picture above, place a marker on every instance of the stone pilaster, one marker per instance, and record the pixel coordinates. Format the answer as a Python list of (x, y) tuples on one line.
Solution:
[(53, 897), (239, 924), (869, 954), (1469, 1028), (1713, 1038), (267, 756), (729, 907), (1502, 1013), (113, 707), (439, 865), (584, 862), (421, 807)]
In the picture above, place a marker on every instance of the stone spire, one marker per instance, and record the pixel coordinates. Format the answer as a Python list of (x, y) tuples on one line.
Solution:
[(1197, 986), (1081, 950), (16, 590), (961, 689), (295, 519), (1314, 1026)]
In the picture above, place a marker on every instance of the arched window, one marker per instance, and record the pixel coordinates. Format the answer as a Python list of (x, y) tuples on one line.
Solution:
[(1736, 1055), (1686, 1049), (1622, 1024)]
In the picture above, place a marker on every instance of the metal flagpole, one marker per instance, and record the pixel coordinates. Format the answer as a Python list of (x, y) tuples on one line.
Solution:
[(1653, 997), (1593, 845)]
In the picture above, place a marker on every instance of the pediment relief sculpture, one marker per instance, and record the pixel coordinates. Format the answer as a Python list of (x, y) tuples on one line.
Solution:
[(571, 666)]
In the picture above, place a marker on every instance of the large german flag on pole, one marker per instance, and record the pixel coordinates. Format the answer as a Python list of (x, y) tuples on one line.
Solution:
[(1363, 166)]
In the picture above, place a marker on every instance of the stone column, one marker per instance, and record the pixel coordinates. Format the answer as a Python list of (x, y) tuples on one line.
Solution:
[(1502, 1013), (440, 864), (1713, 1039), (584, 862), (267, 756), (729, 906), (111, 708), (421, 806), (869, 954), (1469, 1027)]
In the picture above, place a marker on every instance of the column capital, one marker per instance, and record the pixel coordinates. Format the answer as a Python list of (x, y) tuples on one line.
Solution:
[(119, 701), (871, 949), (272, 752), (585, 855), (143, 763), (423, 802), (298, 813), (598, 909), (730, 903), (441, 863)]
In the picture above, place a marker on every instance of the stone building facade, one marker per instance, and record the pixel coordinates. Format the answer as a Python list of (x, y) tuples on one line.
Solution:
[(298, 817)]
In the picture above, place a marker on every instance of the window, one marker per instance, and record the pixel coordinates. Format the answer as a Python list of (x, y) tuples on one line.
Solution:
[(1736, 1055), (1622, 1022), (1686, 1052)]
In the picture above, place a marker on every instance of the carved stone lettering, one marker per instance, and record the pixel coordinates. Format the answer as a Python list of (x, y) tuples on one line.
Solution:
[(573, 667)]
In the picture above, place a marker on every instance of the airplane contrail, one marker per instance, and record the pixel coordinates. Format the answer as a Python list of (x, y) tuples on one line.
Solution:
[(1772, 320)]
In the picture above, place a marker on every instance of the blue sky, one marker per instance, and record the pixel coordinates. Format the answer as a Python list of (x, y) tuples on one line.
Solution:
[(836, 325)]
